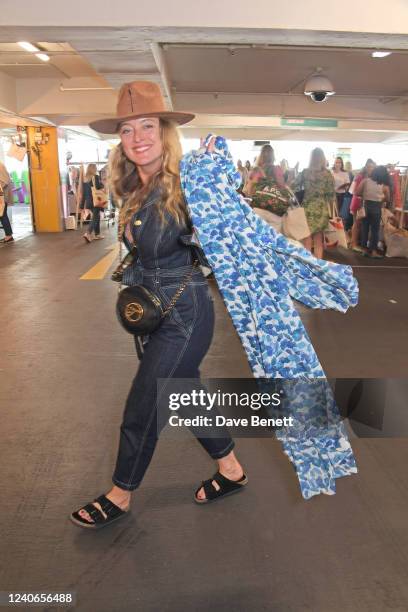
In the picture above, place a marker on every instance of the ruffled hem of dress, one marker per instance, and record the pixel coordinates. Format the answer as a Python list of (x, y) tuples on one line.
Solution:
[(319, 462)]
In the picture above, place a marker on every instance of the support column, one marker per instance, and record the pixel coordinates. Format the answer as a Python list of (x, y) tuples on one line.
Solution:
[(42, 144)]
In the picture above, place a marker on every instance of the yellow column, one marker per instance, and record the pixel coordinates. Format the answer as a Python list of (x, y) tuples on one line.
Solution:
[(45, 178)]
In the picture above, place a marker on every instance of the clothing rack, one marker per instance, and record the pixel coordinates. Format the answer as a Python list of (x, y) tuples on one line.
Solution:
[(400, 212)]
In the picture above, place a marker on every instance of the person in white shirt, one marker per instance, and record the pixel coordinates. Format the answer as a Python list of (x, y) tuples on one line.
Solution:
[(341, 181)]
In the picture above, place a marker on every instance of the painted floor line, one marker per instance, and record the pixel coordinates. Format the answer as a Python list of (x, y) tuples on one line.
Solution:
[(100, 269)]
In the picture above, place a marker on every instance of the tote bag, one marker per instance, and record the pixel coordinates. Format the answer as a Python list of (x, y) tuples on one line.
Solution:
[(335, 235), (17, 151), (99, 196), (295, 223)]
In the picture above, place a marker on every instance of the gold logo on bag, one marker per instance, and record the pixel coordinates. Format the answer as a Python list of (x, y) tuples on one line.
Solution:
[(134, 312)]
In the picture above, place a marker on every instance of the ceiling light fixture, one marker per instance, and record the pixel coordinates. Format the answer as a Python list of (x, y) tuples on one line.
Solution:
[(43, 57), (380, 53), (27, 46)]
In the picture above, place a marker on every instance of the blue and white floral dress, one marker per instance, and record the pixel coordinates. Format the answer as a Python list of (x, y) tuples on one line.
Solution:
[(259, 272)]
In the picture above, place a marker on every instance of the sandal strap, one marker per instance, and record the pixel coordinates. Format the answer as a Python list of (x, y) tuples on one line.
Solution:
[(226, 486), (209, 489), (222, 481), (94, 512), (110, 509)]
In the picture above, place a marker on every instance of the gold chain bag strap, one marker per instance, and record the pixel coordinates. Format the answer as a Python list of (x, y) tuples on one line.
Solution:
[(139, 310)]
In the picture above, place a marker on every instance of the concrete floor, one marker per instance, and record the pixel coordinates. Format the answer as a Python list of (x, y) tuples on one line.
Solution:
[(65, 368)]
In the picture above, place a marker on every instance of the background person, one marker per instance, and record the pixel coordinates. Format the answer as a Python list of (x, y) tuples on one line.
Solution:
[(341, 181), (5, 200), (265, 168), (357, 203), (317, 185), (92, 179), (375, 191), (244, 175), (284, 164), (344, 212)]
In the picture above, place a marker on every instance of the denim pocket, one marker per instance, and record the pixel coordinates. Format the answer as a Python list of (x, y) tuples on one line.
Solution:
[(183, 314)]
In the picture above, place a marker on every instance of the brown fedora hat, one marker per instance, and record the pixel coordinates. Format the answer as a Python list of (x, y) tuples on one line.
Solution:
[(138, 99)]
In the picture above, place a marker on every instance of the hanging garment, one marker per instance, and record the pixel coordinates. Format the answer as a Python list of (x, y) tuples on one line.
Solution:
[(356, 201), (395, 189), (259, 272)]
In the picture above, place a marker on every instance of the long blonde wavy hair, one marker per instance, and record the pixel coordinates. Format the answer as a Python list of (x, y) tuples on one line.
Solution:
[(129, 190), (91, 171)]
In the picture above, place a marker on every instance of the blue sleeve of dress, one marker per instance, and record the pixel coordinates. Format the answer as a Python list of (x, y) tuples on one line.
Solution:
[(314, 282)]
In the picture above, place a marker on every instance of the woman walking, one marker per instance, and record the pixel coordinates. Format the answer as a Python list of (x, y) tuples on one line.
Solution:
[(92, 181), (258, 271), (317, 185), (145, 177), (5, 199)]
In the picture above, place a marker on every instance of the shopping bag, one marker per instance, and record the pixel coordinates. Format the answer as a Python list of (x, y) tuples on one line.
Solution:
[(395, 239), (295, 223), (335, 235), (330, 237), (17, 151), (99, 196)]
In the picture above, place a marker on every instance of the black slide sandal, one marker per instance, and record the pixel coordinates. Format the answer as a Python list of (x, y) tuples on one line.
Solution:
[(227, 487), (112, 512)]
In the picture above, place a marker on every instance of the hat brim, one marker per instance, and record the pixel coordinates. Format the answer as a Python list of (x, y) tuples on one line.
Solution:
[(111, 125)]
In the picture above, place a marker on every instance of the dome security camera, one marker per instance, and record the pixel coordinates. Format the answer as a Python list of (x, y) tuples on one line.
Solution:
[(319, 88)]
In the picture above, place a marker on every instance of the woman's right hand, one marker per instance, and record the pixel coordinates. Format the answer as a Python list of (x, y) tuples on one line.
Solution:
[(210, 146)]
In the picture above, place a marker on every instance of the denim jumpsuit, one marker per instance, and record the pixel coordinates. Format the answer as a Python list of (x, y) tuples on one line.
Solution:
[(175, 349)]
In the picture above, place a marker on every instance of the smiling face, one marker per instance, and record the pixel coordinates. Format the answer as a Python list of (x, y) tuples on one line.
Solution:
[(338, 164), (142, 143)]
